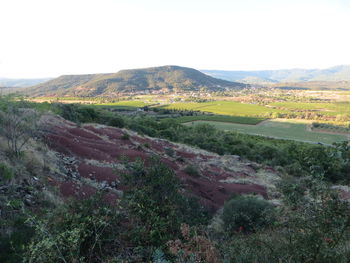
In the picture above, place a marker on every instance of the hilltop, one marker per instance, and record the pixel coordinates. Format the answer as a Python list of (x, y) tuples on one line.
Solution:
[(163, 79)]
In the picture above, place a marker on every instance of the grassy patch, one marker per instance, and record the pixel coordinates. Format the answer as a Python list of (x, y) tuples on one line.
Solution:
[(231, 108), (278, 129), (124, 105)]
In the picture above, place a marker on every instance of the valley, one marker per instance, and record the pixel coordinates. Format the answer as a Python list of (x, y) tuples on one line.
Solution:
[(300, 109), (142, 158), (174, 131)]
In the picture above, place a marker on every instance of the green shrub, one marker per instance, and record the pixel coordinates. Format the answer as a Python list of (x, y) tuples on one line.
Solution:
[(67, 111), (116, 121), (155, 204), (87, 114), (295, 169), (247, 214), (79, 231), (125, 136), (312, 229), (192, 171), (293, 190), (13, 243), (6, 173)]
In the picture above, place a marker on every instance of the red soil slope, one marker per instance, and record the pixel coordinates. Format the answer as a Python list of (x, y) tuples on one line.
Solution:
[(94, 159)]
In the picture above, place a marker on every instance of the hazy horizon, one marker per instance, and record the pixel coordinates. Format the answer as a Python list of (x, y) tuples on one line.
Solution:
[(45, 39), (206, 69)]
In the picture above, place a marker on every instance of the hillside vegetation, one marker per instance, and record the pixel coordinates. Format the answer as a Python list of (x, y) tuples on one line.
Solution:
[(135, 81), (94, 186)]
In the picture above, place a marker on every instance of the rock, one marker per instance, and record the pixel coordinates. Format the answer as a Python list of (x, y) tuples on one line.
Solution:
[(236, 157), (254, 166), (103, 184), (28, 196), (28, 200)]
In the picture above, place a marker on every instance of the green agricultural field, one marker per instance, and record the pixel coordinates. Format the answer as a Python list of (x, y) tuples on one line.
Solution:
[(60, 98), (128, 104), (225, 108), (66, 99), (221, 118), (330, 109), (279, 129)]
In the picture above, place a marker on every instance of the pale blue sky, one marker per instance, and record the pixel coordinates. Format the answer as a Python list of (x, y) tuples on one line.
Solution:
[(47, 38)]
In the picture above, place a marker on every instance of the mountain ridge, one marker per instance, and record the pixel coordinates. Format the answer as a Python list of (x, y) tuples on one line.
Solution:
[(21, 82), (336, 73)]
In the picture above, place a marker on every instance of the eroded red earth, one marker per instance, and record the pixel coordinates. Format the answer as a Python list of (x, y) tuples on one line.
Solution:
[(98, 152)]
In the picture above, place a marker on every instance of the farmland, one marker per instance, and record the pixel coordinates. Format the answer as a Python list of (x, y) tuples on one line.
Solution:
[(331, 109), (225, 108), (130, 104), (282, 129), (221, 118), (241, 110)]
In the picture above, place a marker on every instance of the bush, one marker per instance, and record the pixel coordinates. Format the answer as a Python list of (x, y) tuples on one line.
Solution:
[(67, 111), (17, 126), (79, 231), (293, 190), (116, 121), (125, 136), (192, 171), (193, 247), (247, 214), (6, 173), (155, 204), (13, 243), (313, 228)]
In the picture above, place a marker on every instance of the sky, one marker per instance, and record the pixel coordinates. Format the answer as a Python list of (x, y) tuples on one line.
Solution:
[(48, 38)]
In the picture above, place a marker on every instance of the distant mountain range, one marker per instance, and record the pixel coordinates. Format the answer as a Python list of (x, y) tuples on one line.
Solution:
[(134, 81), (334, 74), (21, 83)]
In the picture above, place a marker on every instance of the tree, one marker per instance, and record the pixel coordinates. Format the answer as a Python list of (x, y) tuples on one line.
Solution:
[(17, 125)]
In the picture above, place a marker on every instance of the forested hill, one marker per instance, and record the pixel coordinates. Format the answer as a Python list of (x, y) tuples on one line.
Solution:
[(136, 81)]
